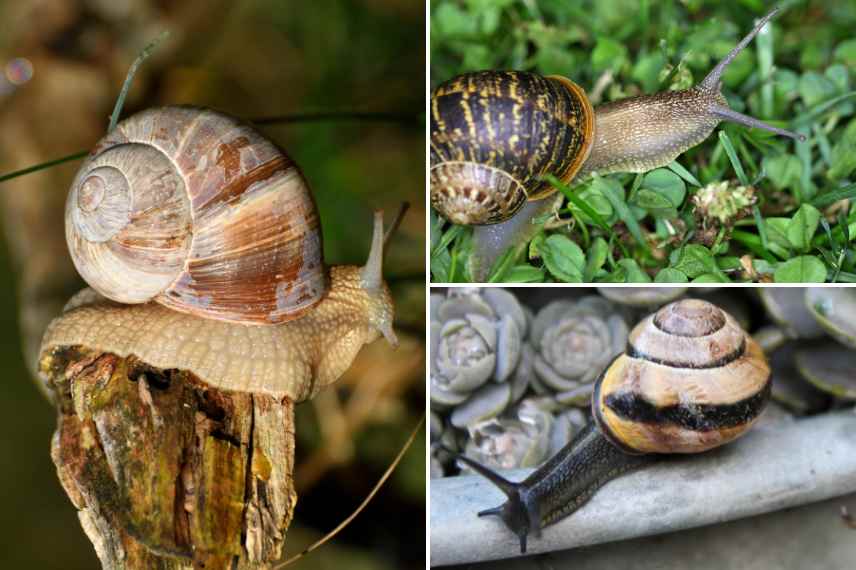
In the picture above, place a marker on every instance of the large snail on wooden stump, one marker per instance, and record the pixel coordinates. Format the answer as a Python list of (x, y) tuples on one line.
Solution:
[(201, 242), (494, 134), (690, 380)]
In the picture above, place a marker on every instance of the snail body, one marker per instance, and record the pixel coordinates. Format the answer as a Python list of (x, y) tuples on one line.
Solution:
[(194, 231), (495, 134), (691, 380)]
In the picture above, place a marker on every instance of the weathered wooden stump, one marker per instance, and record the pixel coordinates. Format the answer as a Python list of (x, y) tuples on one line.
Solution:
[(167, 472)]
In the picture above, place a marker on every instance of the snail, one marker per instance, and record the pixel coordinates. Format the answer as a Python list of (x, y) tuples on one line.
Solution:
[(210, 314), (690, 380), (199, 213), (495, 134)]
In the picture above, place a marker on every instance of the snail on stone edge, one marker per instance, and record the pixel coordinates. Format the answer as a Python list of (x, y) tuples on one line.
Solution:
[(494, 134), (690, 380)]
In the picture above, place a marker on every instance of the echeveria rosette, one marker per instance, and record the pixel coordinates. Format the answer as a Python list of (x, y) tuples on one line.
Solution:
[(476, 345), (574, 341), (514, 440)]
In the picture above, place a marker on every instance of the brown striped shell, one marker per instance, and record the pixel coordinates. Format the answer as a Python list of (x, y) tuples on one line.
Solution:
[(494, 134), (690, 380), (197, 211)]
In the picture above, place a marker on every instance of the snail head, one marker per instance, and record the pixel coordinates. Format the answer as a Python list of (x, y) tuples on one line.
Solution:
[(363, 288)]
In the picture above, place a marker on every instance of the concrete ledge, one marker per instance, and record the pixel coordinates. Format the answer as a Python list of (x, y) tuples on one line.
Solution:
[(771, 468)]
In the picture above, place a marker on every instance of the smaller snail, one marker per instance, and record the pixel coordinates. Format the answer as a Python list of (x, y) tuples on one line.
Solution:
[(690, 380), (495, 134)]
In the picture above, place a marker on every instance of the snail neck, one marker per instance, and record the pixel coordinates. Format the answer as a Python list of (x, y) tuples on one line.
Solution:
[(570, 478), (347, 318), (642, 133), (561, 485)]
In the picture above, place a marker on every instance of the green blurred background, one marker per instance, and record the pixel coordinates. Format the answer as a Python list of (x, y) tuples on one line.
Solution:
[(634, 39), (250, 59)]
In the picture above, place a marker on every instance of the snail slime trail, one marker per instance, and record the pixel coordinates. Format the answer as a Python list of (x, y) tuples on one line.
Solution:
[(691, 379), (495, 134)]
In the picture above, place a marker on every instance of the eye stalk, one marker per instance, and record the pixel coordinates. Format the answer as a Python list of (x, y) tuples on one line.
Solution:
[(713, 84), (371, 276)]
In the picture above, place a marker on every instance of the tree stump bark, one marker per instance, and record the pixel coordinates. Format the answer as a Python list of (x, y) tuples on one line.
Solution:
[(167, 472)]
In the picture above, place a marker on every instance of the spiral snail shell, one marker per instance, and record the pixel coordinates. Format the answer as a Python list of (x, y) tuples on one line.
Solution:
[(197, 211), (690, 380), (471, 154)]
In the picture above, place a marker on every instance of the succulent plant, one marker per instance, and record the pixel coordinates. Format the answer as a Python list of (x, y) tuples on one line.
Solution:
[(477, 343), (518, 439), (647, 297), (525, 436), (573, 342), (814, 315)]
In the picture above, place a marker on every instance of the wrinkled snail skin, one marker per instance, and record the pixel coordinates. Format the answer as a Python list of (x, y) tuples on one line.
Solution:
[(561, 485), (494, 134), (295, 359), (690, 380)]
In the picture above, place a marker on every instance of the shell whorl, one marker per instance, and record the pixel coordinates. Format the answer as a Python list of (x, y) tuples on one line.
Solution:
[(197, 211), (494, 134), (691, 379)]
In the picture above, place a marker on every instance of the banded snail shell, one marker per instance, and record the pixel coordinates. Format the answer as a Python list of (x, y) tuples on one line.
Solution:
[(690, 380), (197, 211), (494, 134)]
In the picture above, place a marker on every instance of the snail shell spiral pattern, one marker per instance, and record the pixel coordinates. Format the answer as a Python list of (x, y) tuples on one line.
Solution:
[(495, 133), (197, 211), (690, 380)]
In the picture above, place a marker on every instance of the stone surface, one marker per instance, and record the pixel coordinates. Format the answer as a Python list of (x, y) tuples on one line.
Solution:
[(812, 536), (772, 468)]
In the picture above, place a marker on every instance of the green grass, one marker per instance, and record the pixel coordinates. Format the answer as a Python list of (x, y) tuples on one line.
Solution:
[(800, 222)]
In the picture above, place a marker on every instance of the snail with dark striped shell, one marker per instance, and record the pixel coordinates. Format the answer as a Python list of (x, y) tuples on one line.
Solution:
[(690, 380), (495, 134)]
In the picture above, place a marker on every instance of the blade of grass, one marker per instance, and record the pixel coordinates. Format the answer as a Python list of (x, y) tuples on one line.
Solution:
[(676, 167), (764, 46), (812, 115), (126, 86), (823, 144), (578, 202), (846, 193), (624, 213), (805, 189), (448, 237), (753, 242), (505, 262), (345, 115), (43, 166), (762, 228), (732, 156), (839, 233)]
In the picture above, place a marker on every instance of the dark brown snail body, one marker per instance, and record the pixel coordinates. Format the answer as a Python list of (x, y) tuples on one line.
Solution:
[(494, 134), (690, 380)]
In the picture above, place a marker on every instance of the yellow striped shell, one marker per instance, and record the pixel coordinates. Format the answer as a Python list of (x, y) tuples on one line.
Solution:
[(195, 210), (690, 380), (494, 134)]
